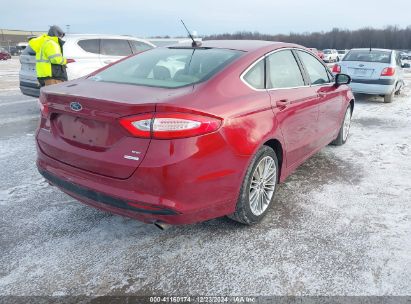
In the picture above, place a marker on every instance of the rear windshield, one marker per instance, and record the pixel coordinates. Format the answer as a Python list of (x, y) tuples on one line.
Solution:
[(28, 51), (368, 56), (327, 51), (169, 67)]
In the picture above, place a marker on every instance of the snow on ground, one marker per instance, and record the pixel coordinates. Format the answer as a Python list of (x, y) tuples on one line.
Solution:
[(340, 225)]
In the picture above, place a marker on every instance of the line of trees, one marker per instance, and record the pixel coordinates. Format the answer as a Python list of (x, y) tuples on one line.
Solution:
[(390, 37)]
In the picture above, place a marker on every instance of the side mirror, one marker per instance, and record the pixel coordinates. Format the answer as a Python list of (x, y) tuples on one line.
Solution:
[(405, 65), (342, 79)]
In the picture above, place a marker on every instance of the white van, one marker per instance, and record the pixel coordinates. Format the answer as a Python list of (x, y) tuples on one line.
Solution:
[(84, 53)]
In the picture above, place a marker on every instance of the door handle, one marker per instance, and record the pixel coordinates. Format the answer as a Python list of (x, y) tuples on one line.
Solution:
[(108, 61), (282, 103), (321, 94)]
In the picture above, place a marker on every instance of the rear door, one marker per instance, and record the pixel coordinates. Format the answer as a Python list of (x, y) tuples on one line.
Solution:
[(330, 100), (294, 103), (112, 50), (86, 55)]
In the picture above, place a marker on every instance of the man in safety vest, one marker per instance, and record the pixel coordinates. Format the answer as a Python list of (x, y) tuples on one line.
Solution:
[(50, 63)]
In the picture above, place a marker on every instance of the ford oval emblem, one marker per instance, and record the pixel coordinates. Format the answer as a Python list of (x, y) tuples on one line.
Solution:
[(76, 106)]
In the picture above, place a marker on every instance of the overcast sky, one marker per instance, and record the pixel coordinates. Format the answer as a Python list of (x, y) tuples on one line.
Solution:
[(149, 18)]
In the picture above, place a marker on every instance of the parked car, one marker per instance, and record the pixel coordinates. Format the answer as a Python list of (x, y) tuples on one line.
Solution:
[(330, 55), (14, 51), (319, 53), (212, 138), (84, 53), (405, 55), (374, 71), (4, 55)]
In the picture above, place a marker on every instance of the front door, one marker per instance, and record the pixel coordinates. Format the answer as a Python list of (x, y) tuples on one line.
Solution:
[(294, 103), (330, 100)]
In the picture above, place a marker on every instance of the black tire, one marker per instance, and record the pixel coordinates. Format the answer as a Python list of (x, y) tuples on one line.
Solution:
[(389, 97), (340, 140), (398, 92), (243, 213)]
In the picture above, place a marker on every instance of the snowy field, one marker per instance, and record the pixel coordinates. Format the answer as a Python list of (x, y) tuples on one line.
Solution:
[(341, 224)]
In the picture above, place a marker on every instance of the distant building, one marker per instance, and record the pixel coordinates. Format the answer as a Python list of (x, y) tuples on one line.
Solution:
[(9, 38)]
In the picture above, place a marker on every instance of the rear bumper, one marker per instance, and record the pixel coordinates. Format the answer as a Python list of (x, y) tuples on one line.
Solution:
[(30, 88), (377, 87), (193, 189), (101, 198)]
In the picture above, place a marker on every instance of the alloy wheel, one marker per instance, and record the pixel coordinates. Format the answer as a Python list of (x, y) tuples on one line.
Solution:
[(262, 186), (346, 124)]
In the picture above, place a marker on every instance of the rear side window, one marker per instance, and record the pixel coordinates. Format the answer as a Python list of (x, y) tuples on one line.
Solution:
[(316, 71), (115, 47), (255, 76), (90, 45), (283, 71), (138, 46), (368, 56)]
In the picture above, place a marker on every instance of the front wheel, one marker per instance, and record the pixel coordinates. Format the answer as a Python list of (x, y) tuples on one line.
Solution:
[(258, 188), (344, 129)]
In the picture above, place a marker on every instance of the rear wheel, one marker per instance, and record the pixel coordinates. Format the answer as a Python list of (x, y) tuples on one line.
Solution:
[(258, 188), (398, 92), (389, 97), (344, 129)]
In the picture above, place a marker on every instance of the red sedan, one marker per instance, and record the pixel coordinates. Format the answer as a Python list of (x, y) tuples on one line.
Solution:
[(4, 55), (178, 135)]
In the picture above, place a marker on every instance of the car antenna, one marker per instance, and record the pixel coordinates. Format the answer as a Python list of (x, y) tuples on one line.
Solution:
[(194, 43)]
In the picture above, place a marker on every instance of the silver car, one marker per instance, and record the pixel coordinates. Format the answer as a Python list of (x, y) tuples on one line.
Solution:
[(374, 71)]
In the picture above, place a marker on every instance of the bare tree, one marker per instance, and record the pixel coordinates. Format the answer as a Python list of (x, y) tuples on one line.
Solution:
[(391, 37)]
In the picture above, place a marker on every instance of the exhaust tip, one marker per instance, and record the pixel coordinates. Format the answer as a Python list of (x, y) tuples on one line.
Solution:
[(161, 226)]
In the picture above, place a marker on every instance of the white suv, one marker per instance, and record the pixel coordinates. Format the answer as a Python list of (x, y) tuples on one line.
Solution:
[(84, 53), (331, 55)]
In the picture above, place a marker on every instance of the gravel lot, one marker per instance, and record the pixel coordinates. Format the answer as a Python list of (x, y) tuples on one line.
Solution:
[(340, 225)]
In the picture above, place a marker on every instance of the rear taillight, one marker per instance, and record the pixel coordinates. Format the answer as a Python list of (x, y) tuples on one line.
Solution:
[(388, 71), (169, 125), (336, 68), (69, 60)]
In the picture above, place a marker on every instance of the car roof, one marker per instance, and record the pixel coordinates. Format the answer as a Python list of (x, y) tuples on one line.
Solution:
[(241, 45), (109, 36), (372, 49)]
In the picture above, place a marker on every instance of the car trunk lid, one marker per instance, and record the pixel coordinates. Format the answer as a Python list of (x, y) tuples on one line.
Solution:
[(82, 129), (363, 70)]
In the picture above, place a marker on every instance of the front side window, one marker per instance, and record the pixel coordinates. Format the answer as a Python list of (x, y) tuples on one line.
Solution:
[(169, 67), (283, 71), (255, 76), (115, 47), (316, 71)]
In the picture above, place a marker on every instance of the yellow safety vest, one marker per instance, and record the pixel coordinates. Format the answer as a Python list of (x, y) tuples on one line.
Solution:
[(48, 52)]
